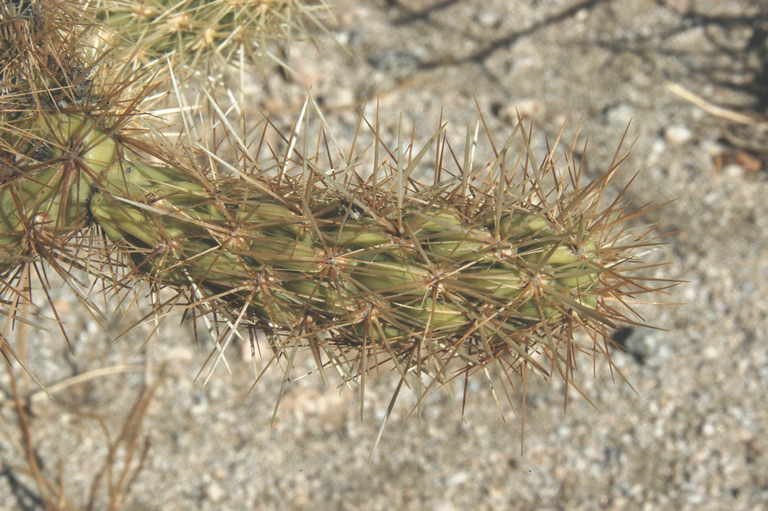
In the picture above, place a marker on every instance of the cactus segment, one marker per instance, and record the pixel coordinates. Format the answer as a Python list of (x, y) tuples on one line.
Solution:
[(435, 223), (191, 30), (487, 270), (391, 278), (499, 283), (518, 224), (356, 236), (442, 275), (433, 314), (243, 237), (74, 133)]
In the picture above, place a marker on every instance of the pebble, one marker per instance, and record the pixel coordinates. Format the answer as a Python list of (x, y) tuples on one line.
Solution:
[(527, 108), (444, 505), (396, 62), (712, 148), (677, 134), (620, 113), (638, 342), (214, 492), (733, 170), (457, 478), (488, 19)]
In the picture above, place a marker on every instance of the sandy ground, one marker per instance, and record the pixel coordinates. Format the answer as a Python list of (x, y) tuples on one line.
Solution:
[(692, 433)]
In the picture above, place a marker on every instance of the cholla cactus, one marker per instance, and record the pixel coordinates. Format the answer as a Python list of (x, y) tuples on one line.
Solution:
[(444, 280), (506, 263), (191, 31)]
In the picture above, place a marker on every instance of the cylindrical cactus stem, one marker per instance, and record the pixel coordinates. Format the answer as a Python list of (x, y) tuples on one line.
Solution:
[(347, 274), (51, 165), (443, 280), (190, 31), (447, 281), (56, 107), (462, 274)]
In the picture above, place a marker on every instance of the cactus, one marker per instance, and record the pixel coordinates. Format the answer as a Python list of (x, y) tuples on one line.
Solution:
[(508, 266), (443, 282), (192, 31), (491, 267)]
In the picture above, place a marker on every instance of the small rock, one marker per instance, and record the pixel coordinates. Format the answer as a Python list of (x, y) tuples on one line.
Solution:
[(638, 342), (444, 505), (394, 62), (712, 148), (214, 492), (620, 113), (488, 18), (749, 163), (733, 170), (658, 149), (527, 108), (199, 403), (348, 37), (341, 96), (677, 134), (457, 478)]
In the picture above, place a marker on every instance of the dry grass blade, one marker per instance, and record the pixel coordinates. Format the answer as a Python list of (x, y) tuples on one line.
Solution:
[(124, 461), (126, 455)]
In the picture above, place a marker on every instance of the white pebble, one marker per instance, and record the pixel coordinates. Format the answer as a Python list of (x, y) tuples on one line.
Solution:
[(678, 134)]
